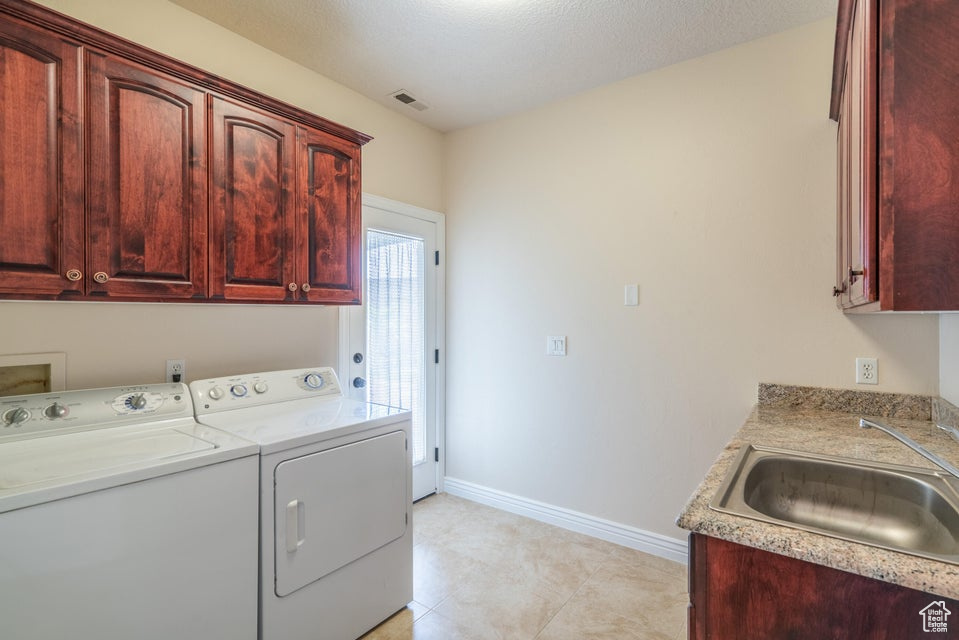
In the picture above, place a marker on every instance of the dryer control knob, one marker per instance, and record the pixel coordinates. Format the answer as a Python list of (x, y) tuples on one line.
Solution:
[(137, 401), (56, 410), (215, 393), (238, 390), (313, 380), (260, 387)]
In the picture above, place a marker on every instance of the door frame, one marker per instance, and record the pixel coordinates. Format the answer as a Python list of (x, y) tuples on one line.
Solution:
[(439, 219)]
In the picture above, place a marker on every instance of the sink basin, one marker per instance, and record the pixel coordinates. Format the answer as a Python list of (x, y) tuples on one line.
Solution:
[(906, 509)]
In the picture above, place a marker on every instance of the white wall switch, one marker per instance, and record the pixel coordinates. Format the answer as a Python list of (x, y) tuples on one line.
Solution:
[(632, 295), (556, 345), (867, 371)]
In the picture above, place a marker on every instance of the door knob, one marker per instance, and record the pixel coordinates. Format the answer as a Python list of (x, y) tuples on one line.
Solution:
[(359, 383)]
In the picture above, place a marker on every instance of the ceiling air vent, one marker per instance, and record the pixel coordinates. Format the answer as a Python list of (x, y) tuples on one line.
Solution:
[(405, 97)]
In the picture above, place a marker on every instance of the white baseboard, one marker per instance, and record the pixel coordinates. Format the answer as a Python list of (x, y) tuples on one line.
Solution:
[(646, 541)]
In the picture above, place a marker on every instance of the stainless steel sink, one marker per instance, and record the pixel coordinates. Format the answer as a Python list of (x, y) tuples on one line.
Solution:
[(896, 507)]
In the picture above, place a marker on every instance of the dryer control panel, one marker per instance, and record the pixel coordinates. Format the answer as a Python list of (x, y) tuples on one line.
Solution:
[(254, 389)]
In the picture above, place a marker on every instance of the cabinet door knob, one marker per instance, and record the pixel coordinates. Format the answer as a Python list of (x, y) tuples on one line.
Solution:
[(291, 286), (100, 277), (305, 287), (73, 275)]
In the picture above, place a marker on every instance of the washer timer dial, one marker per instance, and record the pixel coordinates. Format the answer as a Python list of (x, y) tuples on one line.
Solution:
[(137, 402)]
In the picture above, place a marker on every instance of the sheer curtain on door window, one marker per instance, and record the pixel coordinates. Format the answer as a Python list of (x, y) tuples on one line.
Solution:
[(395, 333)]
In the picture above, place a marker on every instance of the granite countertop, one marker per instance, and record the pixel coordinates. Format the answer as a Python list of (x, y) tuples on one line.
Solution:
[(805, 419)]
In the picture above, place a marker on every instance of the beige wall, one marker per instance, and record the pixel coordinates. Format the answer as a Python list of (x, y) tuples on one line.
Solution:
[(711, 184), (949, 357), (122, 343)]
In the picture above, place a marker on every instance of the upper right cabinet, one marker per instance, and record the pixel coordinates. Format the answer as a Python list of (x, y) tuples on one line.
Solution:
[(895, 94)]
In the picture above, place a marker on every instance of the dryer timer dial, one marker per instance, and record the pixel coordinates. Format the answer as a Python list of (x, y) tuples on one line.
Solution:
[(313, 380)]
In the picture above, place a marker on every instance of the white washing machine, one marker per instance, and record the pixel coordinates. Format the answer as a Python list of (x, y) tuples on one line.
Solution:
[(121, 517), (336, 546)]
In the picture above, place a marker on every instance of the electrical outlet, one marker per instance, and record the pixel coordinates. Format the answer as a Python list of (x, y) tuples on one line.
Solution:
[(867, 371), (176, 371)]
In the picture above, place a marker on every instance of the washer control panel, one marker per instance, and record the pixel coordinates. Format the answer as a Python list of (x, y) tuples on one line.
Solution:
[(39, 414), (253, 389)]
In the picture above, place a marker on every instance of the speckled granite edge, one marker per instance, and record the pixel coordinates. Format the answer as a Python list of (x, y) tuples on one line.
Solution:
[(870, 403), (838, 434), (944, 412)]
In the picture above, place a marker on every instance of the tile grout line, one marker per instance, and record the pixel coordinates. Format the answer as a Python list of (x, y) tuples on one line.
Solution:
[(575, 592)]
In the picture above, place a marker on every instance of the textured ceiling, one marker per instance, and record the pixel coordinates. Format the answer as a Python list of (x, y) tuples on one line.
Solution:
[(473, 61)]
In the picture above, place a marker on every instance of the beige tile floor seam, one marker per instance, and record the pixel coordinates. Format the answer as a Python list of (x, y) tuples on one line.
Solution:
[(481, 573)]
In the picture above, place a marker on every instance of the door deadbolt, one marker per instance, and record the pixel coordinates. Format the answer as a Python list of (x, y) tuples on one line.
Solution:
[(357, 358)]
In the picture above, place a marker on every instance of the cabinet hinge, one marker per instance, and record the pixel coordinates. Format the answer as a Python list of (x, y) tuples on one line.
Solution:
[(436, 454), (436, 257)]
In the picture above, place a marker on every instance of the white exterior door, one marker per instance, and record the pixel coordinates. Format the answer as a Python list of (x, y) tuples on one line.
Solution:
[(391, 346)]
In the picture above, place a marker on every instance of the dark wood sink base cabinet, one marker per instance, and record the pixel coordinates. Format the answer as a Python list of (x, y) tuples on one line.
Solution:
[(741, 593), (128, 175)]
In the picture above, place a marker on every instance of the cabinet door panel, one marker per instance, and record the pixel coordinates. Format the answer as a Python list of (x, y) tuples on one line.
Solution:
[(253, 212), (41, 191), (146, 183), (920, 160), (329, 228), (858, 237), (749, 594)]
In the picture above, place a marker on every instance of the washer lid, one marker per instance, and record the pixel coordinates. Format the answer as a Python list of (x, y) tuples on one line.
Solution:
[(38, 470), (38, 460)]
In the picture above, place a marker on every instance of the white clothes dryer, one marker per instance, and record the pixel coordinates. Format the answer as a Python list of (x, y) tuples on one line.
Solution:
[(336, 551), (121, 517)]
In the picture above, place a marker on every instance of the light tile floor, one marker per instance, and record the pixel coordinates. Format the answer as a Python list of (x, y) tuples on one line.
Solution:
[(480, 573)]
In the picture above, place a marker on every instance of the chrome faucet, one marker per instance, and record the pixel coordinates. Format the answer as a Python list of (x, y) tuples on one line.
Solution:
[(912, 444)]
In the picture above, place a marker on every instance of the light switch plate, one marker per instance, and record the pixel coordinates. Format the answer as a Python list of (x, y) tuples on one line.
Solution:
[(556, 345), (631, 295)]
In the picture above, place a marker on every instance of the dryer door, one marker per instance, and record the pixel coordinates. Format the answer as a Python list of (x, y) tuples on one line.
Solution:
[(335, 506)]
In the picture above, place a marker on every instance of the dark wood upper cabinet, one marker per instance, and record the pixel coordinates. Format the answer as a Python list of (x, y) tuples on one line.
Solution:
[(252, 250), (895, 90), (329, 229), (128, 175), (41, 190), (146, 183)]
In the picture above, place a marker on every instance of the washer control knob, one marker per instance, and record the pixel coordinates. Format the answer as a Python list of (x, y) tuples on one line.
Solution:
[(137, 401), (215, 393), (238, 390), (260, 387), (16, 417), (313, 380), (56, 410)]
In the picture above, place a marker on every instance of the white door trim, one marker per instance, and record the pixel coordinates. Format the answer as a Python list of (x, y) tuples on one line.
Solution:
[(439, 219)]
